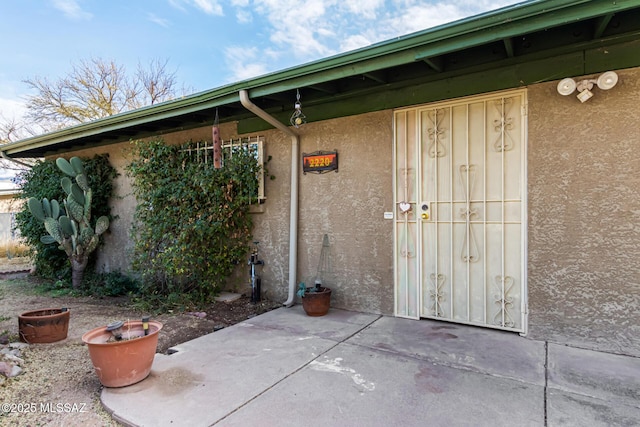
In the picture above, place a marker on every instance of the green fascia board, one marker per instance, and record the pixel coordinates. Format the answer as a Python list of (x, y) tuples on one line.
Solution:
[(493, 26), (486, 78), (422, 92), (624, 55), (497, 25), (124, 120)]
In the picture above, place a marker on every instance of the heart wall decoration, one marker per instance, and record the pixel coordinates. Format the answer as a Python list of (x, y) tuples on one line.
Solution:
[(404, 207)]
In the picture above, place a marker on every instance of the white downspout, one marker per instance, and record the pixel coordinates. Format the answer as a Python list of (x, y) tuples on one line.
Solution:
[(293, 221)]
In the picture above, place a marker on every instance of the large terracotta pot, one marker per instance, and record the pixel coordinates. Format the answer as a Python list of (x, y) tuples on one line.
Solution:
[(317, 303), (44, 325), (125, 362)]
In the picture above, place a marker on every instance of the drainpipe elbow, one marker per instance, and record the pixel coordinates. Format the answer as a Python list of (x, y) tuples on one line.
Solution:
[(293, 220)]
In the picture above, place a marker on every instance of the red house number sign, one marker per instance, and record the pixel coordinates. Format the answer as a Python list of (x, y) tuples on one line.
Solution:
[(320, 162)]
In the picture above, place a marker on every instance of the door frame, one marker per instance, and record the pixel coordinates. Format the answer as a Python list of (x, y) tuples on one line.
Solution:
[(524, 203)]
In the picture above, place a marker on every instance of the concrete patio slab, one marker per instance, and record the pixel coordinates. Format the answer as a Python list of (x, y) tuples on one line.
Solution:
[(353, 369), (337, 325), (608, 377), (211, 376), (485, 351), (576, 410), (357, 386)]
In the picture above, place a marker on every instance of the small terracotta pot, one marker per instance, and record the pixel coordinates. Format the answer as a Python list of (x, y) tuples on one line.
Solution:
[(43, 326), (125, 362), (317, 303)]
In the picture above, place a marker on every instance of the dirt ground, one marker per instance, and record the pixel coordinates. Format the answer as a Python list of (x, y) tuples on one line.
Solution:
[(58, 386)]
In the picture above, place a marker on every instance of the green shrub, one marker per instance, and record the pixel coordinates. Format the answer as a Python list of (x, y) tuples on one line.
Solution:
[(55, 288), (110, 284), (192, 224)]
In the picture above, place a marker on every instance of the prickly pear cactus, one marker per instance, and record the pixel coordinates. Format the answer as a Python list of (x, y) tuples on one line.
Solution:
[(71, 229)]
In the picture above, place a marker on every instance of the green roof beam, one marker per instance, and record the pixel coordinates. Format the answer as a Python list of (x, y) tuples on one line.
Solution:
[(436, 63), (601, 25), (508, 47)]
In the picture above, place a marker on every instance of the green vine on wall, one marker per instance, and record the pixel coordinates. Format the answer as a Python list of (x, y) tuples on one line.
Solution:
[(192, 224)]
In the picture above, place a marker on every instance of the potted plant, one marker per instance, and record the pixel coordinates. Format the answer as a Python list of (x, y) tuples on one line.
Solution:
[(122, 352), (315, 300), (43, 326)]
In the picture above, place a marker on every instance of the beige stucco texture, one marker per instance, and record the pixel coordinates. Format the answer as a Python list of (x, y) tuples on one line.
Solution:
[(584, 216), (347, 205), (9, 203)]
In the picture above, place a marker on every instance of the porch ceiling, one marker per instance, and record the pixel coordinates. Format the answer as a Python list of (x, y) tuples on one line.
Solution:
[(523, 44)]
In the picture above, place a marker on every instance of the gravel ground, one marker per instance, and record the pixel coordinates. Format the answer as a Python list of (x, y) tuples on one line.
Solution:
[(58, 386)]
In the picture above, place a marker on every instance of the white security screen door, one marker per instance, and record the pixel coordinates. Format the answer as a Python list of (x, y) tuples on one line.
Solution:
[(460, 220)]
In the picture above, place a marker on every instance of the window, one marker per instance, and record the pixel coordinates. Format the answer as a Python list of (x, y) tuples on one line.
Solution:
[(256, 145)]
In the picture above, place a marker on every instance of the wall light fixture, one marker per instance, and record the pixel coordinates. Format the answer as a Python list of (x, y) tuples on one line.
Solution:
[(605, 82)]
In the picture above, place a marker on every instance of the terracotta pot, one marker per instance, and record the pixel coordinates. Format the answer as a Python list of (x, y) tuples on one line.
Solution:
[(43, 326), (125, 362), (317, 303)]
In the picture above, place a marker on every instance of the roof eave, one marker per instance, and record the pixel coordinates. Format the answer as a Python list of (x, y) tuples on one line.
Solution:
[(496, 25)]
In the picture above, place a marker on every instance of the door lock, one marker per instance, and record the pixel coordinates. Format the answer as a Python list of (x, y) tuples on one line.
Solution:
[(424, 207)]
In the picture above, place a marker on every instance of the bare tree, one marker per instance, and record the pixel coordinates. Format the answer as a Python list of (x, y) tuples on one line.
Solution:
[(95, 89), (12, 130), (158, 84)]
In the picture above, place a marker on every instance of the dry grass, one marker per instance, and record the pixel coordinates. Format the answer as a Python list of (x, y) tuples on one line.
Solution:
[(12, 250)]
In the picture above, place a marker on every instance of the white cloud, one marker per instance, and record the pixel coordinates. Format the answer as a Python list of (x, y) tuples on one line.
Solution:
[(244, 17), (243, 62), (306, 30), (408, 16), (422, 16), (12, 109), (354, 42), (71, 9), (473, 7), (210, 7), (177, 4), (365, 9), (158, 20)]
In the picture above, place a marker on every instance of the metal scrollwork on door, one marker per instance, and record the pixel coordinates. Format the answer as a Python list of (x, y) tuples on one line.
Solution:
[(435, 133), (407, 246), (503, 126), (469, 251), (436, 293), (504, 285)]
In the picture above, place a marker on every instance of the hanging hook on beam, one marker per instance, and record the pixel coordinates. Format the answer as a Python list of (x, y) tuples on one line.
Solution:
[(297, 118)]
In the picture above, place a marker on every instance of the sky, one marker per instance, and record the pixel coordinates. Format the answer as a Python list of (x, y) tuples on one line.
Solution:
[(207, 43)]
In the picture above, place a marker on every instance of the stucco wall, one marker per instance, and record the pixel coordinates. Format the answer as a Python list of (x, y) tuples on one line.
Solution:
[(9, 203), (584, 216), (347, 205)]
